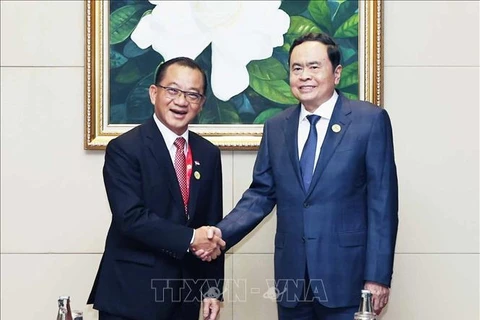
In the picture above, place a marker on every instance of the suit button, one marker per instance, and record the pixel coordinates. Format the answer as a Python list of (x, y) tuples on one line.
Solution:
[(306, 204)]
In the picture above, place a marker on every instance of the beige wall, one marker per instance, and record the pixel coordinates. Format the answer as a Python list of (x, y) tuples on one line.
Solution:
[(54, 214)]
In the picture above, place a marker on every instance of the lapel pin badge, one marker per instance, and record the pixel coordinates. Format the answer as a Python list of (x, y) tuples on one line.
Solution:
[(196, 174), (336, 128)]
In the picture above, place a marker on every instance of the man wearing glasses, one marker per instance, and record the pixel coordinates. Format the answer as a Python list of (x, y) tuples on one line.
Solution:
[(163, 183)]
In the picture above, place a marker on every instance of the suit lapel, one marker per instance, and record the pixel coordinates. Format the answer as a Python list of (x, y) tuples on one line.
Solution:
[(341, 117), (291, 139), (194, 182), (162, 157)]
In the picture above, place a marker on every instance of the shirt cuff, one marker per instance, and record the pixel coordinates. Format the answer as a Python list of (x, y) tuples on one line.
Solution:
[(191, 241)]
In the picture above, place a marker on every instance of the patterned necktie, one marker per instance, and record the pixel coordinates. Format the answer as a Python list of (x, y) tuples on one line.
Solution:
[(181, 168), (307, 159)]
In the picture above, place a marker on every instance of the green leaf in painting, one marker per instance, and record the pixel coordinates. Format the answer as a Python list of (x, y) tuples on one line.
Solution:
[(275, 90), (350, 89), (117, 113), (265, 115), (320, 12), (298, 26), (348, 29), (347, 53), (294, 7), (206, 116), (345, 10), (138, 105), (267, 69), (349, 75), (129, 73), (131, 50), (242, 104), (116, 59), (350, 96), (227, 113), (146, 13), (123, 21)]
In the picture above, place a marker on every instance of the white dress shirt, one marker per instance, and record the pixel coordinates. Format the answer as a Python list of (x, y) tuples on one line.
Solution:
[(325, 112), (169, 137)]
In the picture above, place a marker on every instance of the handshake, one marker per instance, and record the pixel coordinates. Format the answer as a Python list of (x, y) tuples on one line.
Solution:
[(207, 244)]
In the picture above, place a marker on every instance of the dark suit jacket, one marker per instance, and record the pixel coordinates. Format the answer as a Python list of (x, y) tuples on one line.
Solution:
[(146, 247), (343, 229)]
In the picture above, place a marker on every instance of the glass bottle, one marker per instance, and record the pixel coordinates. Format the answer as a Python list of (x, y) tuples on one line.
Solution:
[(365, 310), (64, 311)]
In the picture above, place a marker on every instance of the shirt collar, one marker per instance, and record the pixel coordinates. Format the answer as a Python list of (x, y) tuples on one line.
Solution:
[(168, 135), (325, 110)]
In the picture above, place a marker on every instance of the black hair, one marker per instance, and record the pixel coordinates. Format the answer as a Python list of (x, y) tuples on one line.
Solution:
[(181, 61), (333, 50)]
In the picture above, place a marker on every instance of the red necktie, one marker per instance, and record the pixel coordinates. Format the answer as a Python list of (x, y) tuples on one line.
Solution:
[(181, 168)]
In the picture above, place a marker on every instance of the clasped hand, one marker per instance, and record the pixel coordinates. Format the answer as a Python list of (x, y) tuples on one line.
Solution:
[(380, 294), (208, 243)]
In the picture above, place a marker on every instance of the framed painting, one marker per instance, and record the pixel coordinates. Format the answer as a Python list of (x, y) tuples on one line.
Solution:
[(243, 47)]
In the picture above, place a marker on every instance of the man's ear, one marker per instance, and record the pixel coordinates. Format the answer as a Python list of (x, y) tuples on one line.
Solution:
[(153, 91), (337, 74)]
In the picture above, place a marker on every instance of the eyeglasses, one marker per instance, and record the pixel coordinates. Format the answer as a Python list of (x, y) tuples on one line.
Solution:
[(192, 97)]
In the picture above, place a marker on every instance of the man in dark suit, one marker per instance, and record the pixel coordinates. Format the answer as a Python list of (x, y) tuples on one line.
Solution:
[(328, 165), (163, 183)]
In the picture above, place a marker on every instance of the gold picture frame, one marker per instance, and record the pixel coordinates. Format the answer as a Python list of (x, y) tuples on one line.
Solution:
[(98, 132)]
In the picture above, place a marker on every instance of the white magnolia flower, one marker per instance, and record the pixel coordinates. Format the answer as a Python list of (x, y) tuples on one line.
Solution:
[(240, 31)]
